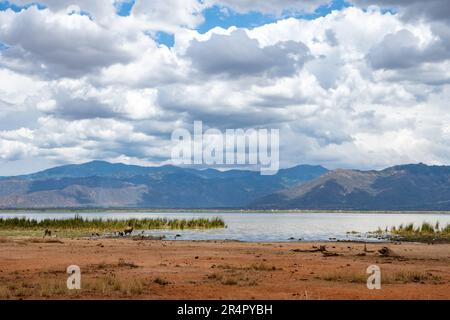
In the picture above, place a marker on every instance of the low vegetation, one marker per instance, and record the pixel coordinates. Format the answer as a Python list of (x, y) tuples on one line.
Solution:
[(253, 267), (416, 277), (230, 282), (345, 277), (424, 233), (80, 223), (262, 267), (108, 286), (121, 264), (161, 281), (405, 277)]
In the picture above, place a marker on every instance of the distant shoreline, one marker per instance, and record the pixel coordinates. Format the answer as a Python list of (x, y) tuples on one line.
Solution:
[(155, 210)]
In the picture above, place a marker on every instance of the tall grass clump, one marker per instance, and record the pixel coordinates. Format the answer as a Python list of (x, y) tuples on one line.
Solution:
[(80, 223), (446, 230), (426, 231)]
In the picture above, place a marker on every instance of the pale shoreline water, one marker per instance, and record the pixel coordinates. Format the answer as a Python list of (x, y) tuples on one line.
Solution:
[(267, 227), (211, 211)]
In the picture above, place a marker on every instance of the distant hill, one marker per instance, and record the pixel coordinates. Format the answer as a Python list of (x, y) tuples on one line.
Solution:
[(406, 187), (100, 184)]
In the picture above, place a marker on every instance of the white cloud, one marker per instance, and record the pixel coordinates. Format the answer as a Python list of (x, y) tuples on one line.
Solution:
[(100, 10), (16, 90), (59, 45), (413, 9), (238, 55), (169, 15), (277, 7), (353, 89), (79, 99)]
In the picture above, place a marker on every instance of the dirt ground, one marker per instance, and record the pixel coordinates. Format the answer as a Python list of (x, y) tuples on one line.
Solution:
[(128, 269)]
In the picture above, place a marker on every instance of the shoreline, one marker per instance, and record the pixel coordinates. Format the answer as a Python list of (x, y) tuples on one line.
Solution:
[(214, 211), (35, 268)]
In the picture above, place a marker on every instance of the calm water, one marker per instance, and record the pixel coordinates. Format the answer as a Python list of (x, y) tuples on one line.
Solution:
[(269, 226)]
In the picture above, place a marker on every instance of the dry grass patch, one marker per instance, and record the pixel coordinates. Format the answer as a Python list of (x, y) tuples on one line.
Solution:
[(403, 277), (53, 288), (121, 264), (262, 267), (109, 285), (415, 277), (5, 293), (230, 282), (113, 286), (253, 267), (161, 281), (215, 276), (345, 277)]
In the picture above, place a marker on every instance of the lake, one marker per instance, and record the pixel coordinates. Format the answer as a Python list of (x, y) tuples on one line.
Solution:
[(271, 227)]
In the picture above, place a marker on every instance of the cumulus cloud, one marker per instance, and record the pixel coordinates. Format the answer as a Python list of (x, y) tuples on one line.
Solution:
[(404, 50), (58, 45), (413, 9), (100, 10), (169, 15), (276, 7), (78, 99), (238, 55), (17, 90), (356, 88), (75, 141)]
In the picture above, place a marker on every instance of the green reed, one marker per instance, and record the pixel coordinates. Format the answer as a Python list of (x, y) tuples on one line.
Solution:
[(423, 233), (79, 222), (424, 229)]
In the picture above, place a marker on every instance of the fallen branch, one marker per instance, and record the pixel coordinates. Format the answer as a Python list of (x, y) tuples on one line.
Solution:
[(314, 249), (322, 249)]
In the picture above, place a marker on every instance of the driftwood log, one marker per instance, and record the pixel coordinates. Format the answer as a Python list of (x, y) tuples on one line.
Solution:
[(322, 249)]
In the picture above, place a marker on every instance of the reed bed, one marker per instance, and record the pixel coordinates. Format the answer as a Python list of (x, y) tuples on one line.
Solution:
[(423, 233), (80, 223), (423, 230)]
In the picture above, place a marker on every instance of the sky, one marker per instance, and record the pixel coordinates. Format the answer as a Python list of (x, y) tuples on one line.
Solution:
[(350, 84)]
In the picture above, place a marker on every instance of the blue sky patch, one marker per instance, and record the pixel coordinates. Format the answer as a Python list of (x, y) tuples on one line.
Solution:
[(164, 38), (3, 47), (5, 5), (223, 17), (124, 7)]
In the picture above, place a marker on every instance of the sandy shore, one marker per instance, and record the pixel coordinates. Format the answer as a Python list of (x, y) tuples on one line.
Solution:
[(128, 269)]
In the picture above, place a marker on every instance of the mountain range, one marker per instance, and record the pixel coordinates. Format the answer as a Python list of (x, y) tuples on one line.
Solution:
[(406, 187), (100, 184)]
